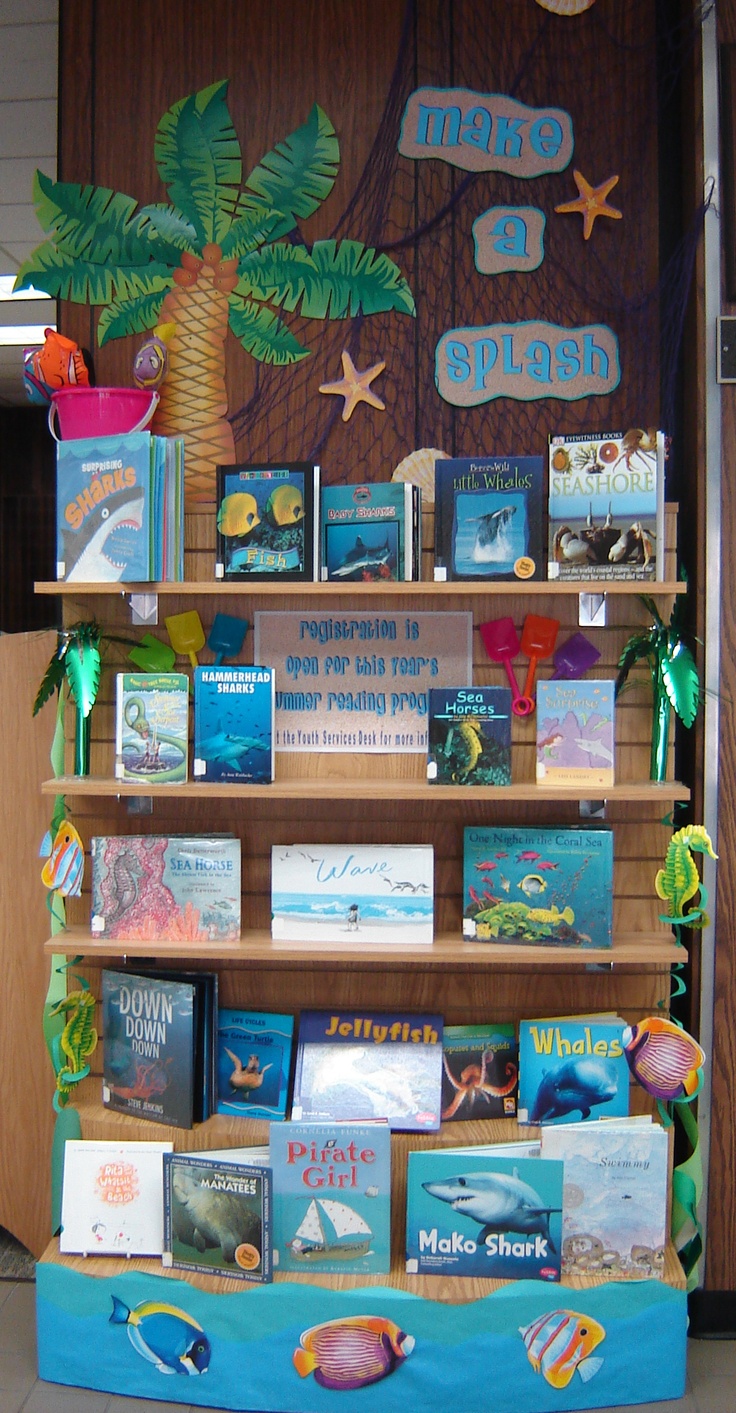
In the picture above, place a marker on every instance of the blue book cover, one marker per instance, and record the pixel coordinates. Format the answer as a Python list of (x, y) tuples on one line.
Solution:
[(149, 1025), (480, 1071), (478, 1213), (233, 724), (489, 518), (331, 1197), (548, 887), (253, 1063), (152, 726), (267, 521), (369, 1065), (103, 509), (572, 1067), (217, 1216), (575, 733), (469, 736), (359, 894), (366, 532)]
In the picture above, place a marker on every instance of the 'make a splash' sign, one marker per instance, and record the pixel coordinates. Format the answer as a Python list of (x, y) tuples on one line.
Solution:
[(526, 361), (485, 132)]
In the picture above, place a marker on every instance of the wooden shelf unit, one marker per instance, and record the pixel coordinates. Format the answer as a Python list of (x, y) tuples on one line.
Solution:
[(367, 789)]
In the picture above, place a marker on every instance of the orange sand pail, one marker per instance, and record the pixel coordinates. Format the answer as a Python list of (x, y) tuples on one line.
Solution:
[(100, 412)]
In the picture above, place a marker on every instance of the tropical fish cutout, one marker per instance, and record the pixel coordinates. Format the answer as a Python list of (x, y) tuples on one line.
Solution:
[(350, 1353), (151, 362), (165, 1336), (664, 1059), (561, 1343), (64, 867), (58, 364)]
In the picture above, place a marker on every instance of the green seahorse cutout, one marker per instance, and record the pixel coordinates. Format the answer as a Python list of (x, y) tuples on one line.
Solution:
[(679, 880), (77, 1041)]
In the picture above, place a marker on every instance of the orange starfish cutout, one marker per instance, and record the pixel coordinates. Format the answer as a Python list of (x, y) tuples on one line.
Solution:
[(591, 202), (355, 386)]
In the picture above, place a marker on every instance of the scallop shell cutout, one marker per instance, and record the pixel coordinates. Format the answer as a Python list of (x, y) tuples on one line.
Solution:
[(566, 7), (418, 467)]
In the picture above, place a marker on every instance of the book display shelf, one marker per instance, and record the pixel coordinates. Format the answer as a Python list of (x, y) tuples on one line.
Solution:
[(464, 1332)]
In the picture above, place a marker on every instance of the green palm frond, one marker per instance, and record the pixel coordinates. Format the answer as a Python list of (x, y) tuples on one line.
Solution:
[(354, 280), (681, 682), (51, 681), (97, 225), (82, 282), (132, 316), (82, 665), (279, 273), (638, 649), (253, 224), (263, 334), (296, 176), (198, 158), (172, 227)]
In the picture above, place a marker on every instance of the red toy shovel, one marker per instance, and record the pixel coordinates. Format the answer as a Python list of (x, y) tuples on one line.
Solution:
[(538, 638), (501, 642)]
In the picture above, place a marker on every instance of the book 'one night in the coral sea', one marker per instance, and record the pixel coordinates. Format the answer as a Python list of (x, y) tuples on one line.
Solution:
[(152, 727), (547, 887), (572, 1068), (489, 517), (253, 1063), (369, 1065), (357, 894), (217, 1216), (167, 887), (575, 733), (233, 723), (111, 1197), (332, 1196), (104, 509), (606, 505), (366, 532), (469, 736), (614, 1206), (480, 1212), (480, 1071), (158, 1031), (267, 521)]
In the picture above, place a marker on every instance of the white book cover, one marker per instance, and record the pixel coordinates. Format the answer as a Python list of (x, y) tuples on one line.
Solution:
[(614, 1214), (352, 893), (112, 1198)]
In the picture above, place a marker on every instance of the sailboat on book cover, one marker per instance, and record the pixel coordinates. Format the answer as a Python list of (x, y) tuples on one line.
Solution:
[(330, 1230)]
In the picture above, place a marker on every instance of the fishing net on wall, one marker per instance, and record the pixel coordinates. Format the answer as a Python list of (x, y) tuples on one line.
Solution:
[(618, 79)]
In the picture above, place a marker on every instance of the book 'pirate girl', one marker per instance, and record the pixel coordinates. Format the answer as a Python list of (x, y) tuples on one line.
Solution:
[(363, 894)]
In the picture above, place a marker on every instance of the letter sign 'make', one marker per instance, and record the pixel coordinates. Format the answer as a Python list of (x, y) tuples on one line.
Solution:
[(485, 132)]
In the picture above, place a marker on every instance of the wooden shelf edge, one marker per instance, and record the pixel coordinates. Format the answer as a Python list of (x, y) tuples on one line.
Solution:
[(423, 588), (366, 789), (445, 1290), (447, 952)]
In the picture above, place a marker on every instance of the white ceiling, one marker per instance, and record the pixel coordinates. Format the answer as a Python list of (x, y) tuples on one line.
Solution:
[(28, 125)]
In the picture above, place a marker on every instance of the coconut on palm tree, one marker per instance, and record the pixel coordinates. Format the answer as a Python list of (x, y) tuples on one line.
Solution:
[(216, 256)]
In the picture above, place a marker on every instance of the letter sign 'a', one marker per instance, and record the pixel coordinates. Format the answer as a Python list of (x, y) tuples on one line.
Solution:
[(509, 238)]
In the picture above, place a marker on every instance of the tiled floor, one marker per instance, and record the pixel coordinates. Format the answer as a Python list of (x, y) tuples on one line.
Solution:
[(711, 1385)]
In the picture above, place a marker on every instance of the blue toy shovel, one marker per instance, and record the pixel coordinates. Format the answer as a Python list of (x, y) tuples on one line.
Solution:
[(226, 636)]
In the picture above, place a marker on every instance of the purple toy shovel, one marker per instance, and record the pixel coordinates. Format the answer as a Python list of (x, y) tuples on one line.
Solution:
[(574, 657)]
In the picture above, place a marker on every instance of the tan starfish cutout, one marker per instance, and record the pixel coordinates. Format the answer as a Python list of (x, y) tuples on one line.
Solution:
[(591, 202), (355, 386)]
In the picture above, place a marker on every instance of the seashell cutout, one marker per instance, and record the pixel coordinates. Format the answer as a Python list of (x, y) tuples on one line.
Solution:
[(418, 467), (566, 7)]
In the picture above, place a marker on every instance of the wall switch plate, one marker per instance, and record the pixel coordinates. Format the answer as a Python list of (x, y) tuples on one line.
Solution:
[(726, 350)]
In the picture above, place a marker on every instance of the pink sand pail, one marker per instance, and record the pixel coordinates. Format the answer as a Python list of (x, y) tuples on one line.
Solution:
[(100, 412)]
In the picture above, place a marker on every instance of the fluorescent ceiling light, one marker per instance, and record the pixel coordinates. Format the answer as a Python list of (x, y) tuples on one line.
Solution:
[(23, 335), (6, 290)]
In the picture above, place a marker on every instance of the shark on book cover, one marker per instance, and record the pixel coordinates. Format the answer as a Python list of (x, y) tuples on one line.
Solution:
[(233, 724), (103, 497)]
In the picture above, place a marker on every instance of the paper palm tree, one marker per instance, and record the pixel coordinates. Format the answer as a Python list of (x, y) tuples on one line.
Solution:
[(214, 257), (674, 676)]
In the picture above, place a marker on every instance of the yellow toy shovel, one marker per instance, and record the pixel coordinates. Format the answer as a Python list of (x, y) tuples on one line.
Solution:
[(187, 634)]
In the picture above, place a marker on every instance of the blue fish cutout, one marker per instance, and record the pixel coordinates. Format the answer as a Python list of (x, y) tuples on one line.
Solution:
[(64, 869), (165, 1336)]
